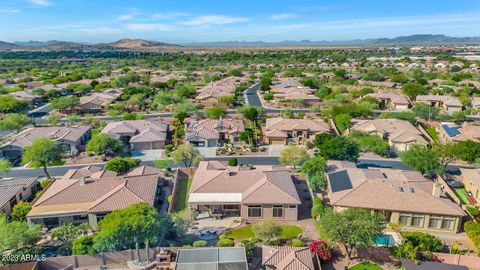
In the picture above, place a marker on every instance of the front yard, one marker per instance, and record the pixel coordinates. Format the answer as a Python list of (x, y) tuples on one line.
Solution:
[(365, 266), (246, 232)]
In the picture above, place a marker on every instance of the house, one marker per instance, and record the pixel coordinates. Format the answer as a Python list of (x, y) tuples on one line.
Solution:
[(284, 130), (14, 190), (212, 132), (408, 264), (212, 258), (97, 101), (140, 134), (88, 194), (28, 96), (476, 103), (400, 134), (401, 196), (471, 180), (284, 258), (291, 90), (451, 132), (72, 138), (391, 101), (249, 193), (209, 94), (448, 103)]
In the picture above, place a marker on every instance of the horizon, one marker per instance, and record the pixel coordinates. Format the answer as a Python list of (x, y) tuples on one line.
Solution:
[(92, 21)]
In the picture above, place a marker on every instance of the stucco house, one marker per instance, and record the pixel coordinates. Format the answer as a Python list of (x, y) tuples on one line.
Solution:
[(284, 130), (447, 103), (212, 132), (140, 134), (73, 138), (451, 132), (401, 196), (240, 191), (14, 190), (471, 181), (391, 101), (97, 101)]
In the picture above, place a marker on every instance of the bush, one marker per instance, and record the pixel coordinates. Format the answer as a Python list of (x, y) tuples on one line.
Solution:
[(83, 245), (296, 243), (225, 243), (200, 243), (169, 148), (317, 208), (122, 165), (268, 96), (232, 161), (473, 211), (424, 241), (472, 229)]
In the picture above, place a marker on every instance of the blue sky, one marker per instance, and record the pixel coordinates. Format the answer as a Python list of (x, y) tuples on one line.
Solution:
[(184, 21)]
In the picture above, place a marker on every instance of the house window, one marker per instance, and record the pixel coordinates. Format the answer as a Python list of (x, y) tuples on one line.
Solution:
[(447, 224), (254, 211), (231, 207), (405, 219), (278, 211), (434, 222), (417, 221), (292, 206)]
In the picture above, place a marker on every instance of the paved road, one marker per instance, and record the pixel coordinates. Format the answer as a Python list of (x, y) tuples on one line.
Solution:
[(254, 100)]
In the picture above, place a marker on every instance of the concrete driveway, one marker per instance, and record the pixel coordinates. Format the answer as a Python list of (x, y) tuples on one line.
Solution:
[(149, 155)]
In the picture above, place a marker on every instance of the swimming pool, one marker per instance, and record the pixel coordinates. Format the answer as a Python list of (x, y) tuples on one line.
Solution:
[(385, 240)]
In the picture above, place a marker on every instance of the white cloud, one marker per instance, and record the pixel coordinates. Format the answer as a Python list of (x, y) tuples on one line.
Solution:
[(214, 20), (10, 10), (168, 15), (148, 27), (130, 15), (283, 16), (43, 3)]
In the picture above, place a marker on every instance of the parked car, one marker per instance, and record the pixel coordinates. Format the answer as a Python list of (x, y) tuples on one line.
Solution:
[(454, 184)]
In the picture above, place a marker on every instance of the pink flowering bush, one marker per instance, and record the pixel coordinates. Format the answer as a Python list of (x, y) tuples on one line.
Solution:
[(321, 248)]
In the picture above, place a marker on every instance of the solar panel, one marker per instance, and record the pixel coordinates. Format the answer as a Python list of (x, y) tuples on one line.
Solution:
[(340, 181), (451, 131)]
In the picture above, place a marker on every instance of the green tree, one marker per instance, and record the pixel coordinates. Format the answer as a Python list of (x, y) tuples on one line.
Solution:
[(122, 165), (468, 151), (53, 119), (20, 210), (412, 90), (352, 228), (226, 100), (215, 112), (16, 234), (9, 104), (342, 121), (104, 144), (232, 161), (315, 168), (65, 104), (266, 230), (183, 220), (426, 111), (293, 155), (5, 167), (66, 234), (43, 152), (336, 147), (268, 96), (14, 121), (186, 154), (424, 159), (83, 245), (372, 143)]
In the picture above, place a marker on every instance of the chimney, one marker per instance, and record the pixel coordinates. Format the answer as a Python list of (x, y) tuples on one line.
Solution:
[(82, 181), (437, 190)]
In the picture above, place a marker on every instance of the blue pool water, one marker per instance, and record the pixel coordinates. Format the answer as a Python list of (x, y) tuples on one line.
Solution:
[(385, 240)]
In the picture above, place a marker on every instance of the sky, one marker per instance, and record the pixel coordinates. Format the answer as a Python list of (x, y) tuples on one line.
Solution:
[(186, 21)]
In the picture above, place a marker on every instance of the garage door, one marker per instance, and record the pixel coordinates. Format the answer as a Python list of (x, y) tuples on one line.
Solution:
[(277, 141), (142, 146)]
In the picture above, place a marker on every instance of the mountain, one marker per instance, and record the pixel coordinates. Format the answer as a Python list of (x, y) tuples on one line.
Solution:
[(133, 44), (8, 46)]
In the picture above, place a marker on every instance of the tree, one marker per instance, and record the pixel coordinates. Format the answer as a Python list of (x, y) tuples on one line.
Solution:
[(314, 168), (232, 161), (122, 165), (342, 121), (468, 151), (352, 227), (20, 210), (293, 155), (66, 233), (266, 230), (372, 143), (336, 147), (9, 104), (183, 220), (65, 104), (226, 100), (16, 234), (104, 144), (131, 226), (287, 113), (268, 96), (412, 90), (215, 112), (425, 111), (424, 159), (83, 245), (14, 121), (53, 119), (43, 152), (186, 154), (5, 167)]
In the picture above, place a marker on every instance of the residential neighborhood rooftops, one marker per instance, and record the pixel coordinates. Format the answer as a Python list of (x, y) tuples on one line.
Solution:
[(232, 258), (262, 184), (10, 187), (211, 128), (396, 130), (140, 130), (286, 258), (398, 190), (446, 100), (394, 98), (280, 126), (457, 133)]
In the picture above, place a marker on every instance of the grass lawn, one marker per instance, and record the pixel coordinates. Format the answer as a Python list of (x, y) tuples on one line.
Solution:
[(462, 194), (433, 133), (95, 131), (365, 266), (182, 194), (288, 232)]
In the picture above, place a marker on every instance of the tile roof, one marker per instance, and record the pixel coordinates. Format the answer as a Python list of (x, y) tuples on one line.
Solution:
[(27, 136), (399, 131), (394, 98), (211, 128), (106, 193), (446, 100), (278, 127), (223, 87), (10, 187), (287, 258), (462, 133), (394, 190), (263, 184), (140, 130)]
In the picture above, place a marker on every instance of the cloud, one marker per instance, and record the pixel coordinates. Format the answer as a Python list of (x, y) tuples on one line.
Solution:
[(148, 27), (43, 3), (130, 15), (283, 16), (10, 10), (214, 20), (168, 15)]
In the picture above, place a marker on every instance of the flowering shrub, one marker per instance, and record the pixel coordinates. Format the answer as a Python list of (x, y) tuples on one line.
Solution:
[(321, 248)]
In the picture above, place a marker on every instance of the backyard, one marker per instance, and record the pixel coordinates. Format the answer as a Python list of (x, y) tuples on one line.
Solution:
[(462, 194), (181, 198), (365, 266), (246, 232), (433, 133)]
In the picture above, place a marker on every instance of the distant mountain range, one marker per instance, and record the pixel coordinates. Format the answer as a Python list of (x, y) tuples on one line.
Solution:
[(148, 45)]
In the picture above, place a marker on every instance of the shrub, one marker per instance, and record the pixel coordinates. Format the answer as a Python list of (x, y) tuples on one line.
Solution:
[(200, 243), (322, 249), (169, 148), (232, 161), (225, 243), (83, 245), (472, 229), (473, 211), (296, 243), (424, 241), (317, 208), (268, 96)]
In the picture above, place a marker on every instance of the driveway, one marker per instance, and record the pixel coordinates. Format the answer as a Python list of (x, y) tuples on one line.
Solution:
[(275, 149), (208, 151), (149, 155)]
